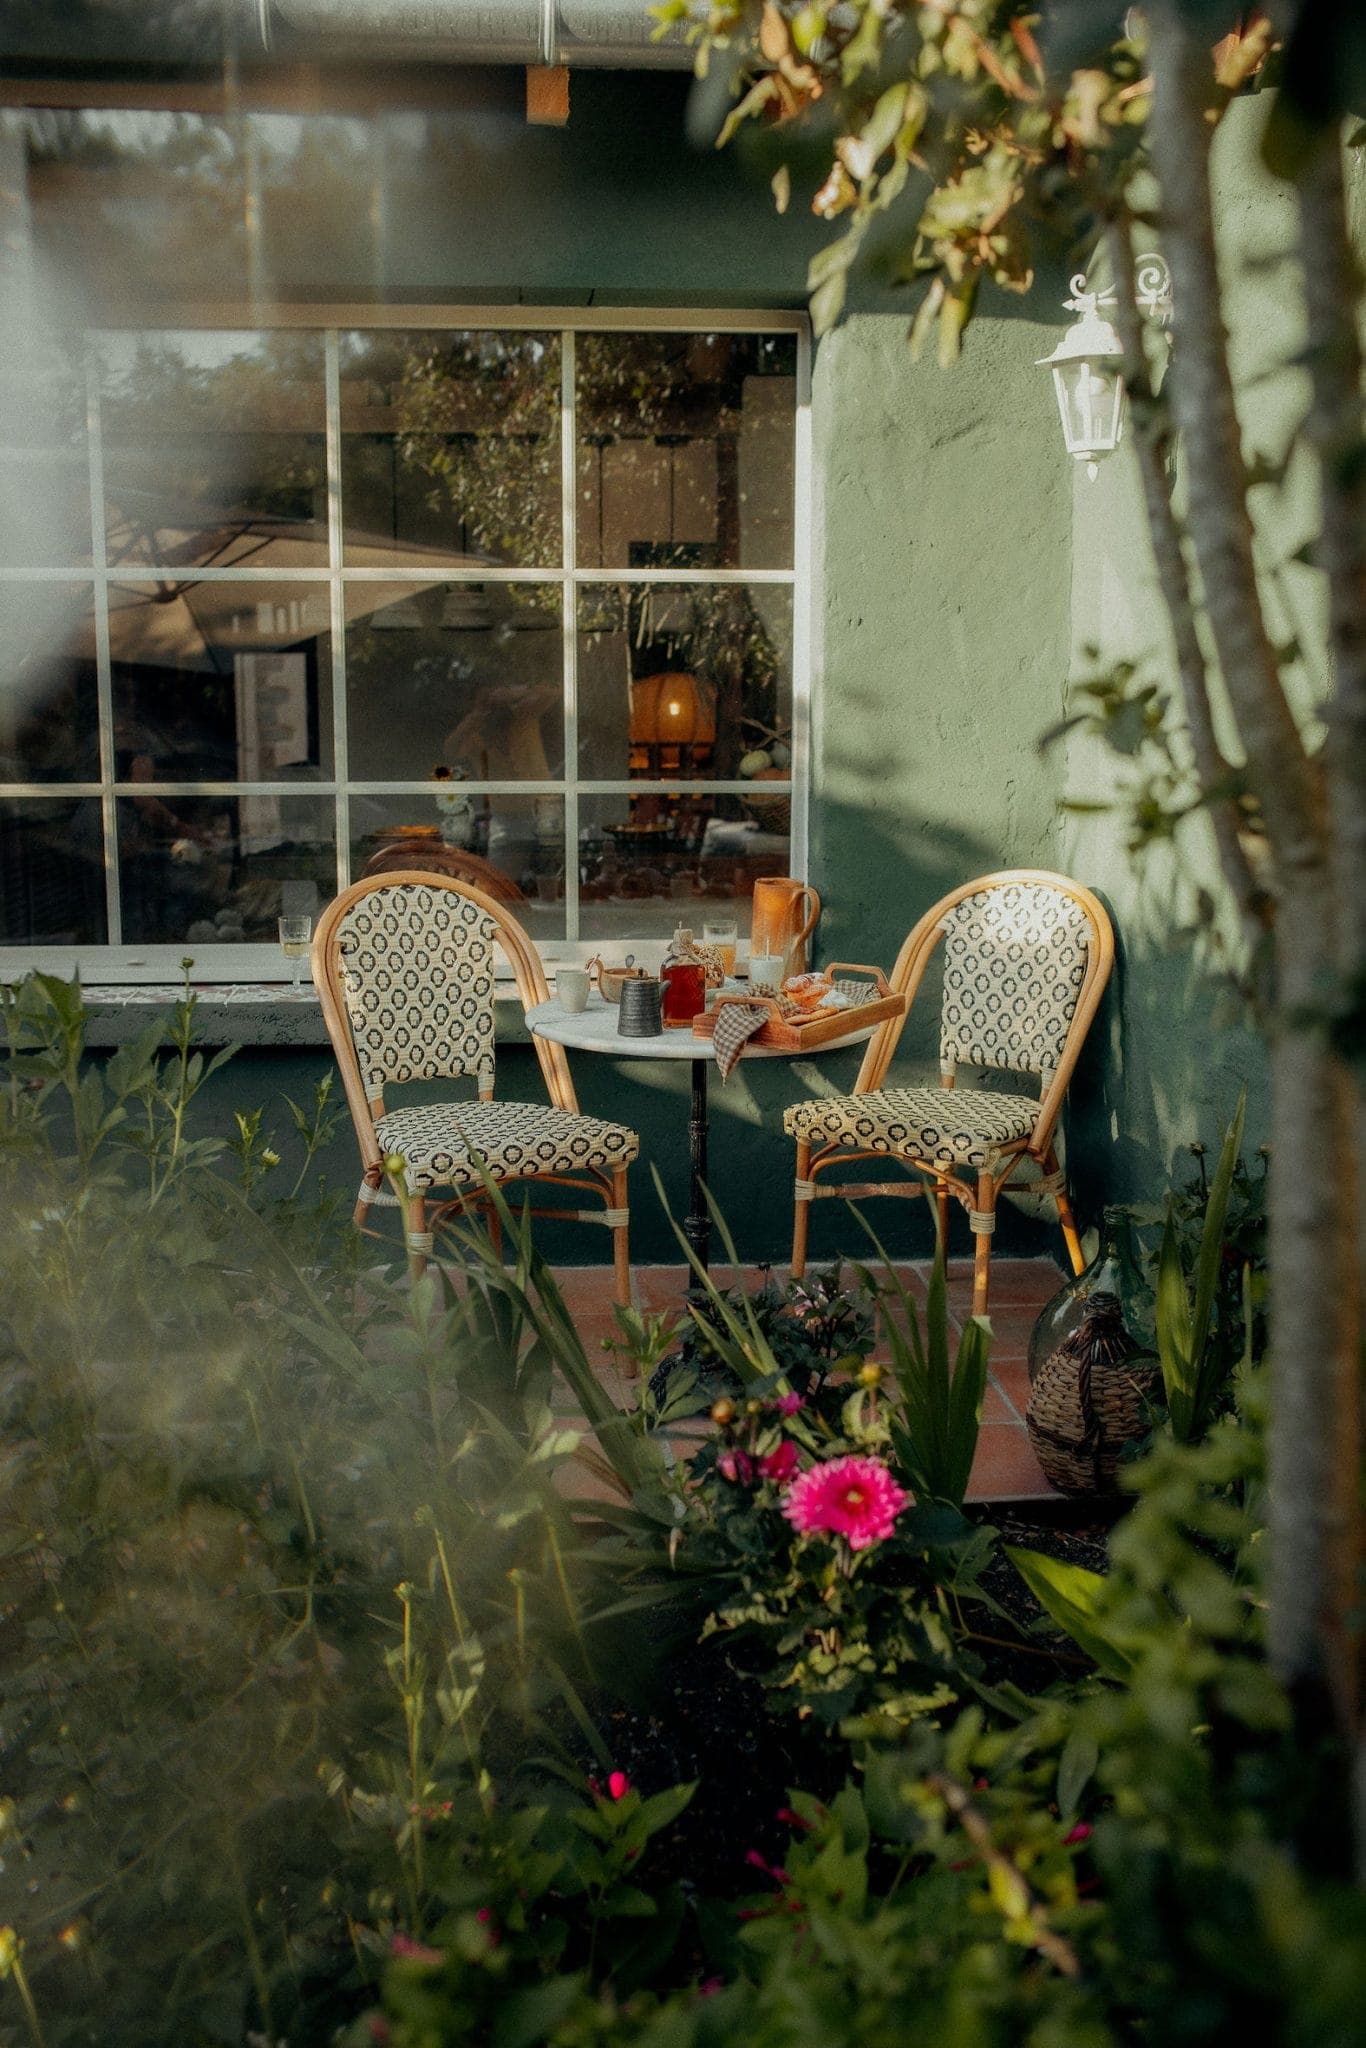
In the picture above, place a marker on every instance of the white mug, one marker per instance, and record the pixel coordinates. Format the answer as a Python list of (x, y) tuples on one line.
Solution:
[(766, 970), (571, 986)]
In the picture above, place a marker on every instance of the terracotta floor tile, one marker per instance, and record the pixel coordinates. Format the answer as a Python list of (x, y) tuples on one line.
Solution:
[(660, 1286), (1005, 1467), (1012, 1376), (995, 1406), (576, 1481)]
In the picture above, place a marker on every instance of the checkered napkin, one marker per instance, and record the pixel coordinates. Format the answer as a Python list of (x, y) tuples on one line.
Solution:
[(736, 1024)]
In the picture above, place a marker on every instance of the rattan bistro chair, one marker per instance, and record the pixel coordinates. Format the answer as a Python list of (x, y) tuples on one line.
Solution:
[(1026, 959), (404, 968)]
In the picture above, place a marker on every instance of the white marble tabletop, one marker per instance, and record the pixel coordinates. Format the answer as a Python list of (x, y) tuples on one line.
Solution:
[(595, 1030)]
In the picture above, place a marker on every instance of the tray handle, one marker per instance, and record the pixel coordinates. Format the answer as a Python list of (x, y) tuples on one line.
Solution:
[(884, 987), (763, 1002)]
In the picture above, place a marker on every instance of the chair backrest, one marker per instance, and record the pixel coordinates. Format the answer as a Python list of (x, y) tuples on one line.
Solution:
[(404, 966), (417, 980), (1027, 957), (1015, 956)]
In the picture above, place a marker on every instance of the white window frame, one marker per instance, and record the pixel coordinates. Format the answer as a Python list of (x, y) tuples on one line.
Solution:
[(118, 963)]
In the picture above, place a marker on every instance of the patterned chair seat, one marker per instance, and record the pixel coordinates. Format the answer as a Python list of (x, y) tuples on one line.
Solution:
[(943, 1126), (512, 1138)]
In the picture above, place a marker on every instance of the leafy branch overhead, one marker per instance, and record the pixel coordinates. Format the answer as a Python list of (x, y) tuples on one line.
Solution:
[(950, 114)]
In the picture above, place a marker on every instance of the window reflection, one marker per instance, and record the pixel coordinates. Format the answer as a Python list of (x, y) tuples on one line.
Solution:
[(451, 444), (44, 463), (220, 681), (220, 870), (51, 872), (685, 450), (692, 680), (654, 864), (49, 728), (214, 448), (512, 847), (464, 676)]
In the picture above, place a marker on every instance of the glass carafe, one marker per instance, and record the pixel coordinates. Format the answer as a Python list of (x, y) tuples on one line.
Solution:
[(1113, 1271)]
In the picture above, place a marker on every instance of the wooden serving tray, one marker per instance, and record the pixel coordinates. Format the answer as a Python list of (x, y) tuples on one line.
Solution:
[(800, 1034)]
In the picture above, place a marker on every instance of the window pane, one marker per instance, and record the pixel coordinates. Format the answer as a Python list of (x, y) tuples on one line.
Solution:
[(451, 447), (685, 450), (221, 682), (51, 872), (44, 464), (200, 871), (512, 847), (214, 450), (49, 728), (690, 680), (649, 863), (465, 676)]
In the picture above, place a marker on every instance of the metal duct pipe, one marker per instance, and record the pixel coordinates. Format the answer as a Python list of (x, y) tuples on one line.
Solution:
[(603, 34)]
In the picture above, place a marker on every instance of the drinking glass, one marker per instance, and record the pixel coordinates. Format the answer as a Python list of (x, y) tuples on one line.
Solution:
[(295, 933), (722, 933)]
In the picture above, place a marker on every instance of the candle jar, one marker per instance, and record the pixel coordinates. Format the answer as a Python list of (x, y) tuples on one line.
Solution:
[(685, 991)]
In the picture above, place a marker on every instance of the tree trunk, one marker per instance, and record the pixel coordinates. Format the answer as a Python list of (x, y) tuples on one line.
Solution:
[(1151, 443), (1313, 1270), (1335, 427)]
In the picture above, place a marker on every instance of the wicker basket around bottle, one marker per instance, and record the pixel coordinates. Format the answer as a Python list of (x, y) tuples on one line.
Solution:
[(1090, 1398)]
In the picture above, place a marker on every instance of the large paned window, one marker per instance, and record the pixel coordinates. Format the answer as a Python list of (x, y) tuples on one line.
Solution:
[(497, 595)]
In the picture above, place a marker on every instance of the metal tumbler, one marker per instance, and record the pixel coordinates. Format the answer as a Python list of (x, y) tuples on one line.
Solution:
[(638, 1014)]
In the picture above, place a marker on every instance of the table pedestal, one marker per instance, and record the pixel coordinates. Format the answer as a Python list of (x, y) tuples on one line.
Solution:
[(697, 1223)]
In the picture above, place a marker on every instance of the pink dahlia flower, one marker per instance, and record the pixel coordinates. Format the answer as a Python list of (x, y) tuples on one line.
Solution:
[(781, 1465), (856, 1498)]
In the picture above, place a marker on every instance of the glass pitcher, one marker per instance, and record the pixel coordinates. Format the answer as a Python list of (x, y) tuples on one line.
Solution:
[(1113, 1271)]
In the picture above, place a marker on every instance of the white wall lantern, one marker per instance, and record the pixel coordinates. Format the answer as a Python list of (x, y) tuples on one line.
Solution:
[(1086, 363)]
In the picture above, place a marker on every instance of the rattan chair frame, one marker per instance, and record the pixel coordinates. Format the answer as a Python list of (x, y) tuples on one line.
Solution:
[(609, 1186), (978, 1195)]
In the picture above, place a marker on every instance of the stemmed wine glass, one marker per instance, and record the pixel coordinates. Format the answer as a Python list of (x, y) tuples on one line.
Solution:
[(295, 933)]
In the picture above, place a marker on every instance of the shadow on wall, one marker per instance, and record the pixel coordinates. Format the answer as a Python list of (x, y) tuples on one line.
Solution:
[(1169, 1053)]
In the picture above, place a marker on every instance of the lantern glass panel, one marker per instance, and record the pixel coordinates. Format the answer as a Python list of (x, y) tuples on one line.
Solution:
[(1089, 398)]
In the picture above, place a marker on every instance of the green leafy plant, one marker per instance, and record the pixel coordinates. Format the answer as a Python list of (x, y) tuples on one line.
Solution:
[(936, 1432), (1196, 1366)]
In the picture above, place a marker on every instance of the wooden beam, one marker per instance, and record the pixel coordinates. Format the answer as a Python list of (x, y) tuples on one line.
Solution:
[(547, 95)]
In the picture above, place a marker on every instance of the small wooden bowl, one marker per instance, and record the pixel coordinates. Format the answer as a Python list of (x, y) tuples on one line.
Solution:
[(611, 980)]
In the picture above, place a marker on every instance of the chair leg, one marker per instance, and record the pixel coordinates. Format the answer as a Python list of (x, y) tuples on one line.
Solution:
[(983, 1224), (1065, 1217), (941, 1200), (801, 1210), (621, 1238), (495, 1225), (417, 1233), (370, 1183)]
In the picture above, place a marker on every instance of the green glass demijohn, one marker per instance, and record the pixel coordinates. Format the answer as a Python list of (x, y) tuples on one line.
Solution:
[(1113, 1271)]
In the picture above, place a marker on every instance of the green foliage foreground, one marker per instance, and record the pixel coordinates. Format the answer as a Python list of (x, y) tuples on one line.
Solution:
[(319, 1688)]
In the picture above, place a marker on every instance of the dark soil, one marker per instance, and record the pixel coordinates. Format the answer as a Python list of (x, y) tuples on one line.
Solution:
[(716, 1726), (1076, 1532)]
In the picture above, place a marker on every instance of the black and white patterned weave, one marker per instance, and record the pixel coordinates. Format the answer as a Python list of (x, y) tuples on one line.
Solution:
[(512, 1138), (1014, 963), (942, 1126), (417, 974)]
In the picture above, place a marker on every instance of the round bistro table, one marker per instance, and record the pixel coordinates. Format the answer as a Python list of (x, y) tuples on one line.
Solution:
[(595, 1030)]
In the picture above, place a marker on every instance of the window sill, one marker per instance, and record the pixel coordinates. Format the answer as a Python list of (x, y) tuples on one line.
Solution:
[(242, 1013)]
